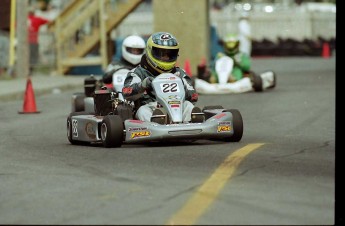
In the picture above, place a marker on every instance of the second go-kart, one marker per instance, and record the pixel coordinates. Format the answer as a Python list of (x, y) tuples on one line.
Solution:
[(250, 82), (85, 101), (113, 122)]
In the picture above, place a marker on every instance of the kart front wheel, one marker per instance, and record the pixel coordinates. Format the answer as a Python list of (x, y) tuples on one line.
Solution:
[(112, 131), (237, 123), (274, 83)]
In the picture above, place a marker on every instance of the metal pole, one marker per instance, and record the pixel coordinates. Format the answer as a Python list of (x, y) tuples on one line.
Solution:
[(22, 51), (103, 34), (12, 34)]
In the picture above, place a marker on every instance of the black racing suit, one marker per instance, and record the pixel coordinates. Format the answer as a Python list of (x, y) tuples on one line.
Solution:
[(115, 66), (133, 91)]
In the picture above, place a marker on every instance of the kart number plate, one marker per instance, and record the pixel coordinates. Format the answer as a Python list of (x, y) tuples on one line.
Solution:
[(171, 87)]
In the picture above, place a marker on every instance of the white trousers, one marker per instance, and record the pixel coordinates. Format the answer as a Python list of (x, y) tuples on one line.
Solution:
[(144, 113)]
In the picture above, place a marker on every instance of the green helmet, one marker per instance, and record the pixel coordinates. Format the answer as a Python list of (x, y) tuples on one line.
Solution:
[(162, 51), (231, 44)]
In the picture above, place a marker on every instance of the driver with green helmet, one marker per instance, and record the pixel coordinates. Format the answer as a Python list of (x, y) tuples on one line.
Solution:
[(242, 61), (160, 57)]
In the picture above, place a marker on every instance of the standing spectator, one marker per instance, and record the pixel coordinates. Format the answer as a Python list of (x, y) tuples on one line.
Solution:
[(34, 23), (48, 10), (245, 34)]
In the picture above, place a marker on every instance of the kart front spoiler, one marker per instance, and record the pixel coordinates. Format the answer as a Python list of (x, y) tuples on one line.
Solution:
[(216, 127), (86, 128)]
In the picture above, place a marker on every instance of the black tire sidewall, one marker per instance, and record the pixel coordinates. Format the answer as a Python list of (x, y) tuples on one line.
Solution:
[(237, 122), (114, 135)]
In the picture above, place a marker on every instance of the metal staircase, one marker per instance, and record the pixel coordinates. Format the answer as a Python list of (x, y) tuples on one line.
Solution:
[(100, 17)]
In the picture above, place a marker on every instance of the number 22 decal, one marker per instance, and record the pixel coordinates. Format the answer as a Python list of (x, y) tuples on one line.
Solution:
[(170, 87)]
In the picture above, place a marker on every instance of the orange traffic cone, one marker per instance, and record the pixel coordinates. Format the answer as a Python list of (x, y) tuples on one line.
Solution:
[(187, 68), (29, 105), (326, 50)]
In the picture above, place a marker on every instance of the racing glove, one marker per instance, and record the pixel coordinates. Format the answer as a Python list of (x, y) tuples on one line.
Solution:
[(146, 84)]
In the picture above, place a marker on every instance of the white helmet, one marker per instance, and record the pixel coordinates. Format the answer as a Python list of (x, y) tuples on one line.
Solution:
[(133, 48)]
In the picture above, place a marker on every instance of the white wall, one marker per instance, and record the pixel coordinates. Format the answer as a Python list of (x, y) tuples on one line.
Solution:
[(285, 24)]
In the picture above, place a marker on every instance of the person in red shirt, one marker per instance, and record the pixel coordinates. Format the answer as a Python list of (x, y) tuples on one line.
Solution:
[(34, 23)]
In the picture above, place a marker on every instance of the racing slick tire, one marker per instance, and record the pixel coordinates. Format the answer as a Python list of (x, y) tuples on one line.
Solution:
[(70, 127), (257, 83), (78, 102), (237, 122), (274, 81), (112, 131)]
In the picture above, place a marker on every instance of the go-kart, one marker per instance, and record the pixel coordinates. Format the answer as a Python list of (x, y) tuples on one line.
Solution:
[(113, 122), (223, 67), (85, 101)]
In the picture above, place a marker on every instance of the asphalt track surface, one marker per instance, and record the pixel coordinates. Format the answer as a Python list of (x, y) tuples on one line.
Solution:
[(282, 172)]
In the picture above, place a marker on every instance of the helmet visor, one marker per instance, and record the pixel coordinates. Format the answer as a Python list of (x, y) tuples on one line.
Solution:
[(231, 45), (135, 51), (165, 55)]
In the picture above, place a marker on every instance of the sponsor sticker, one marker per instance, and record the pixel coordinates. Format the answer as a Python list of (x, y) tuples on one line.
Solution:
[(90, 130), (223, 128), (224, 123), (135, 121), (75, 127), (174, 97), (174, 102), (136, 128), (139, 134), (220, 116)]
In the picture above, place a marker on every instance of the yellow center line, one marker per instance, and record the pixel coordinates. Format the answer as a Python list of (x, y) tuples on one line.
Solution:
[(209, 190)]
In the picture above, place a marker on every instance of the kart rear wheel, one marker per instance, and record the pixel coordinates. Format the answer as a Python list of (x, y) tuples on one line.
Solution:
[(112, 131), (257, 83), (78, 102), (274, 81), (237, 122)]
